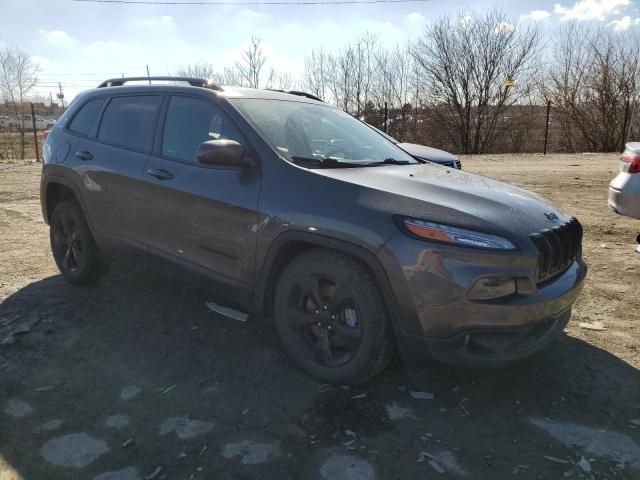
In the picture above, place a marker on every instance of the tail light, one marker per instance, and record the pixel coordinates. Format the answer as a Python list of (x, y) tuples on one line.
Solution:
[(45, 134), (633, 163)]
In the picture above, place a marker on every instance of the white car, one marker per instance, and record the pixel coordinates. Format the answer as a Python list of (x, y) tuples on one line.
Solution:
[(422, 152), (41, 123), (624, 189)]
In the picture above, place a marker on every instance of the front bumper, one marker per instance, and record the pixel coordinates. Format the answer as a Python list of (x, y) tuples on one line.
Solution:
[(430, 283), (478, 347)]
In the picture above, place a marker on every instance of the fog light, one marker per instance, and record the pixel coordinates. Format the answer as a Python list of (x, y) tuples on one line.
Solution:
[(487, 288)]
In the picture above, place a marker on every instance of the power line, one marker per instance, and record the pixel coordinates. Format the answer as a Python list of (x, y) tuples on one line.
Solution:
[(74, 74), (248, 2)]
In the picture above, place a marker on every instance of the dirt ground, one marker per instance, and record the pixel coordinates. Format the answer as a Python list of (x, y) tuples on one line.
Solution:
[(136, 379)]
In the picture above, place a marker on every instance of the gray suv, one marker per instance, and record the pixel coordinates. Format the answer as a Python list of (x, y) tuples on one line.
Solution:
[(297, 212)]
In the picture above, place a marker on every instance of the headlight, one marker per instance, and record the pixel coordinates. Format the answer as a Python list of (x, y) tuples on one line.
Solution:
[(456, 236)]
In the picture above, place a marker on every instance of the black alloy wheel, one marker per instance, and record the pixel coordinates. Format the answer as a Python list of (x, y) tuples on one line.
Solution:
[(331, 317)]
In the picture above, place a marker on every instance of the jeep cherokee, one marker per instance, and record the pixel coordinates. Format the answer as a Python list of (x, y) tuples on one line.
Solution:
[(297, 211)]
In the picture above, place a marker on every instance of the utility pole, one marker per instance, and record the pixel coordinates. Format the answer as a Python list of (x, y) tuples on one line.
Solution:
[(415, 114), (148, 76), (60, 94), (546, 127)]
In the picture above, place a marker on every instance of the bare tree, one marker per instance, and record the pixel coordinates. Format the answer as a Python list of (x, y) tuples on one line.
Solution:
[(592, 81), (393, 85), (283, 81), (201, 69), (468, 64), (18, 77), (250, 69), (363, 62), (344, 78), (316, 73)]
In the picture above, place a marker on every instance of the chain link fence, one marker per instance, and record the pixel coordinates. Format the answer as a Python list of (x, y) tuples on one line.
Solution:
[(21, 136), (518, 129), (15, 145)]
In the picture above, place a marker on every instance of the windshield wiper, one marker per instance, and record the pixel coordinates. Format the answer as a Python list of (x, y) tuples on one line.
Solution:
[(388, 161), (328, 162), (325, 162)]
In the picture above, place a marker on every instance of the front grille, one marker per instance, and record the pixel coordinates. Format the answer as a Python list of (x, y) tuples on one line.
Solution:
[(559, 247)]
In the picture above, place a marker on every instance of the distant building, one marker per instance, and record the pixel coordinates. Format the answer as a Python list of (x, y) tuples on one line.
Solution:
[(51, 111)]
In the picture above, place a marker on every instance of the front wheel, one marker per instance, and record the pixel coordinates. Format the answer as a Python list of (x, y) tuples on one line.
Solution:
[(331, 317), (73, 247)]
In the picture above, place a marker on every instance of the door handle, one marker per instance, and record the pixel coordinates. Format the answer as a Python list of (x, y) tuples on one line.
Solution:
[(160, 173), (84, 155)]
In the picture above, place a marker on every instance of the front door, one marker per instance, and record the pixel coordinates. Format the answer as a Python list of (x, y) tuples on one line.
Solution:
[(199, 215)]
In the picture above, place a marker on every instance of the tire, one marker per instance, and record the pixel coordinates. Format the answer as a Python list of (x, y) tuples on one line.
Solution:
[(331, 317), (73, 247)]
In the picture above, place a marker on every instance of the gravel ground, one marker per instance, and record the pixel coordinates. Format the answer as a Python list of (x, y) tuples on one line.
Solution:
[(135, 378)]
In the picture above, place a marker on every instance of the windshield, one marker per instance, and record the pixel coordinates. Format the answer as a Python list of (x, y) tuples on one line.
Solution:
[(385, 135), (302, 130)]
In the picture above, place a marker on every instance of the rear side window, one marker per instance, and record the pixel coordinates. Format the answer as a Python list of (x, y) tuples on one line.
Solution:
[(128, 122), (192, 121), (86, 118)]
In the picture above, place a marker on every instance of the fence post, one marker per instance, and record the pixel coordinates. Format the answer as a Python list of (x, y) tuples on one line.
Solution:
[(546, 127), (35, 132), (624, 126), (386, 117)]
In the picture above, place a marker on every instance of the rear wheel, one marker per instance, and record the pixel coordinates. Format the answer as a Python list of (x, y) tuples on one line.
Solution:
[(74, 249), (331, 317)]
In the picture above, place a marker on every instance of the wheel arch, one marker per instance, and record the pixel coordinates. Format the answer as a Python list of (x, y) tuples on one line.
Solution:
[(291, 244), (56, 189)]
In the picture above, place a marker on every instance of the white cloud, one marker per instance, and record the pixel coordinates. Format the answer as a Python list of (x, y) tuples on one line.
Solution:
[(624, 23), (58, 38), (101, 45), (387, 25), (505, 27), (591, 9), (251, 14), (165, 21), (415, 17), (40, 60), (536, 15)]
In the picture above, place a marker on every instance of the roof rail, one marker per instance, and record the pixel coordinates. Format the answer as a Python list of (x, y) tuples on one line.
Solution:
[(194, 82), (298, 93)]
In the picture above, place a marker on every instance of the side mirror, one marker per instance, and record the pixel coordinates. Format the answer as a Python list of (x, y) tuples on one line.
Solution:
[(223, 152)]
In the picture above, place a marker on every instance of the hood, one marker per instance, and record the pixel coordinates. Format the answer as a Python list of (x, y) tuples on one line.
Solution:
[(454, 197), (428, 153)]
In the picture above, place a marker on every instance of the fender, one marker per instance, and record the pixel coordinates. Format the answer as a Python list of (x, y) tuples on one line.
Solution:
[(263, 287), (53, 178)]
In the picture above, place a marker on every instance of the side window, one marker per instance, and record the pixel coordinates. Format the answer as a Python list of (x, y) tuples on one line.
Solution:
[(128, 122), (192, 121), (86, 117)]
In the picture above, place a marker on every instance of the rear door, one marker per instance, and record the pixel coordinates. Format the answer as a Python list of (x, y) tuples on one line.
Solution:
[(113, 161), (198, 215)]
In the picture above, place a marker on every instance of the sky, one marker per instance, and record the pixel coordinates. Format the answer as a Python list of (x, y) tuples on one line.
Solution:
[(80, 44)]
